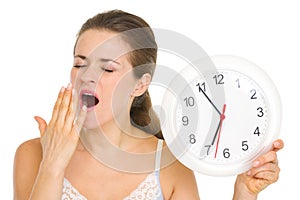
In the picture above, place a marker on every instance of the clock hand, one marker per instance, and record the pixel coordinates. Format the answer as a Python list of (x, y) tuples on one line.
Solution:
[(210, 100), (222, 117), (210, 141), (215, 136), (210, 146)]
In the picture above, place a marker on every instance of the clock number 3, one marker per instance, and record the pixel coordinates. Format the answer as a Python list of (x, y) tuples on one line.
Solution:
[(260, 110)]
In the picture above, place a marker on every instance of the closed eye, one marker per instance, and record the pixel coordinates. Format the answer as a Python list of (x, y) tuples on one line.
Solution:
[(107, 70), (79, 66)]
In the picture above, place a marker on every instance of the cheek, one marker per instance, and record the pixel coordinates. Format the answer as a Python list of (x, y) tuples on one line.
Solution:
[(74, 76), (121, 94)]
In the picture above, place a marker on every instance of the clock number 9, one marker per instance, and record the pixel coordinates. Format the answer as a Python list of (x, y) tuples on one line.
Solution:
[(185, 120)]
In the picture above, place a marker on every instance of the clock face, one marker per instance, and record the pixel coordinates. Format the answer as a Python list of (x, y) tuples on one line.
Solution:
[(241, 126), (222, 135)]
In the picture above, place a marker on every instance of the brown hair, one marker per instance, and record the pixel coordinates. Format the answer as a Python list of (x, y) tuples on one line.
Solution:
[(141, 112)]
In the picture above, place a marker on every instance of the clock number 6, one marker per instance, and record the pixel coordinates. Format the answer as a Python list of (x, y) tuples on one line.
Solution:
[(226, 153)]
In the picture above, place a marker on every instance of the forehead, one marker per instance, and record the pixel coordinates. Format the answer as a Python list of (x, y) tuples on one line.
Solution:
[(101, 43)]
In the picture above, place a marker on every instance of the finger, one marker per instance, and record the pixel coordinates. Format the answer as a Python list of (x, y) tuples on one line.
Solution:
[(270, 156), (42, 124), (270, 167), (56, 107), (64, 106), (270, 176), (278, 145), (80, 120), (71, 115)]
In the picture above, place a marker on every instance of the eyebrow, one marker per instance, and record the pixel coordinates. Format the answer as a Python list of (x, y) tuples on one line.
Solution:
[(109, 60), (101, 59), (80, 56)]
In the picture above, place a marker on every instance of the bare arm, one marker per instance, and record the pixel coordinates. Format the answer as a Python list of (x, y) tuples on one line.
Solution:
[(48, 183)]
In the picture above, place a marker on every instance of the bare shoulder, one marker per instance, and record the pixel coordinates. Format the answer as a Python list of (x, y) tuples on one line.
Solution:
[(26, 165), (181, 178), (172, 165), (29, 150)]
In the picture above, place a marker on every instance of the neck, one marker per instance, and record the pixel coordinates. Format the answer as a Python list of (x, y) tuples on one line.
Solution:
[(116, 135), (115, 149), (124, 136)]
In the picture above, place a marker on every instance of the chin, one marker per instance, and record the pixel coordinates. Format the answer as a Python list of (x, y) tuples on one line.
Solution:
[(90, 126), (91, 121)]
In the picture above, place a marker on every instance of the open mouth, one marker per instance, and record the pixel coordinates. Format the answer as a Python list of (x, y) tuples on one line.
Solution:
[(89, 99)]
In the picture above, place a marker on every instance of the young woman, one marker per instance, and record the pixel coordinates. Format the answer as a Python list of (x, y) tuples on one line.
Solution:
[(104, 111)]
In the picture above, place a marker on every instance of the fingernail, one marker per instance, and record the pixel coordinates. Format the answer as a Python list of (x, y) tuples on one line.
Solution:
[(75, 120), (277, 144), (249, 173), (62, 89), (69, 86), (73, 92), (256, 163)]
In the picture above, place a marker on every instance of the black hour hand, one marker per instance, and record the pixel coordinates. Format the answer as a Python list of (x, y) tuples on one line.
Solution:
[(210, 101)]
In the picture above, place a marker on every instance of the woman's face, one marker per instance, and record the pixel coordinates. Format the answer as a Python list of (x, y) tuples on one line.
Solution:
[(102, 76)]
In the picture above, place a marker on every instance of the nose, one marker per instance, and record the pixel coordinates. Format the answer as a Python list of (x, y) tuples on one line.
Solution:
[(89, 74)]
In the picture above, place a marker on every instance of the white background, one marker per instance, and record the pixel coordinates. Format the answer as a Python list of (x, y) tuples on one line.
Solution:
[(36, 47)]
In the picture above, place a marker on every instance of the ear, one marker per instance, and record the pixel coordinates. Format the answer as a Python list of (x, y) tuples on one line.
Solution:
[(142, 85)]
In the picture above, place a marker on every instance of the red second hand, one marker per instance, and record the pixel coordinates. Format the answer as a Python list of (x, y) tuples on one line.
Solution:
[(222, 117)]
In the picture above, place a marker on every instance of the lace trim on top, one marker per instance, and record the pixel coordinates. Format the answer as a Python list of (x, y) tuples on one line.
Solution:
[(149, 189), (70, 193)]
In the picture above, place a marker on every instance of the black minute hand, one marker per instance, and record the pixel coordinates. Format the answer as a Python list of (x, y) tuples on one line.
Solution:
[(209, 100), (215, 136)]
